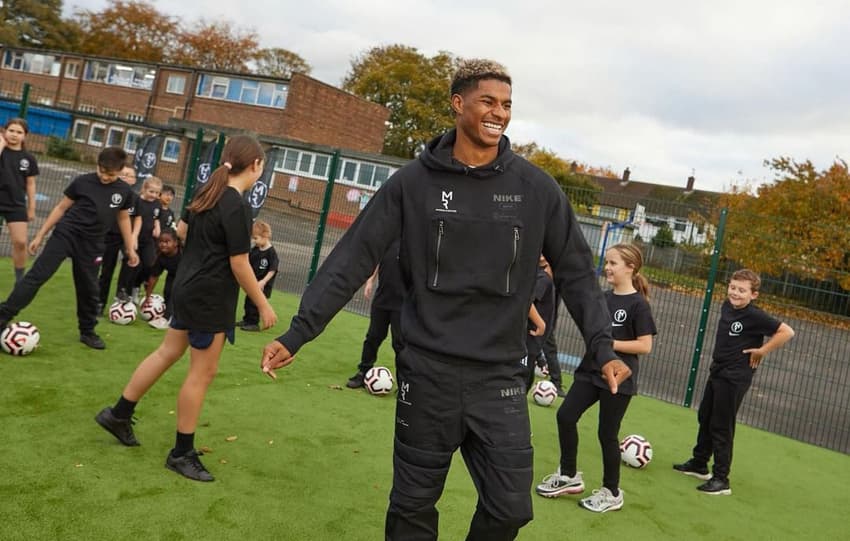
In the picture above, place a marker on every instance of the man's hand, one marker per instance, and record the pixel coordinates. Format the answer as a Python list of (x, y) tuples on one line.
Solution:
[(615, 372), (275, 355), (538, 330)]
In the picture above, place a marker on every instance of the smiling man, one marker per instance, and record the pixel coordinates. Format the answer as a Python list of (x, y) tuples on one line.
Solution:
[(474, 219)]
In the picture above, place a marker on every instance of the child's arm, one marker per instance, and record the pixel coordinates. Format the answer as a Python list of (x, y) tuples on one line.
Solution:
[(136, 228), (538, 322), (52, 218), (30, 198), (266, 279), (782, 335), (244, 275), (370, 284), (123, 219), (156, 228), (639, 346)]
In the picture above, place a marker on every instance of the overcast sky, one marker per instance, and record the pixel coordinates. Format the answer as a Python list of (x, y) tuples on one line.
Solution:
[(663, 87)]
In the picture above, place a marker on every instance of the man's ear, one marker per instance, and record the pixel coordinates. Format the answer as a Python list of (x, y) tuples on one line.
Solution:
[(457, 103)]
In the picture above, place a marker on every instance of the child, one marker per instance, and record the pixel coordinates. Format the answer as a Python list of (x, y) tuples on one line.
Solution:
[(167, 259), (166, 215), (91, 204), (633, 329), (206, 289), (113, 243), (541, 316), (145, 231), (264, 263), (18, 169), (384, 314), (739, 348)]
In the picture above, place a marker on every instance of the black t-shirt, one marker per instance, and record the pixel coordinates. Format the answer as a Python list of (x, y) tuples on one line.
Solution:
[(737, 330), (263, 262), (95, 207), (166, 219), (166, 263), (631, 317), (543, 298), (15, 167), (390, 292), (149, 211), (114, 231), (205, 290)]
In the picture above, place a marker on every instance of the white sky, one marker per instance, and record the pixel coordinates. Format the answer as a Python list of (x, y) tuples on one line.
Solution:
[(662, 87)]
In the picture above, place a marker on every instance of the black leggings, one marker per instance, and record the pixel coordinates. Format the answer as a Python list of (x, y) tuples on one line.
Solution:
[(612, 408)]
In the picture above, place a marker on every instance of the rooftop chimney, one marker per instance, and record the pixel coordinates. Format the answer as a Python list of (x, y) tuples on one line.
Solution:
[(690, 187), (626, 175), (573, 167)]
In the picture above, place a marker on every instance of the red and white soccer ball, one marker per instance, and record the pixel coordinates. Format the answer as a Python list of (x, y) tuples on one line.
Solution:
[(378, 380), (153, 308), (636, 451), (122, 313), (19, 338), (544, 393)]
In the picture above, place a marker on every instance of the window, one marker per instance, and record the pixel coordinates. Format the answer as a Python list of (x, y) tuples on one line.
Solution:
[(72, 70), (114, 136), (114, 113), (86, 108), (41, 64), (81, 131), (120, 74), (176, 84), (306, 162), (97, 135), (381, 175), (680, 225), (290, 162), (246, 91), (365, 176), (133, 117), (320, 166), (131, 142), (171, 150), (349, 170)]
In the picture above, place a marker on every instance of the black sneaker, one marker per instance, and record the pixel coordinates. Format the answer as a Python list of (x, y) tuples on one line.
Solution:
[(716, 487), (251, 327), (92, 340), (189, 465), (355, 381), (694, 469), (120, 428)]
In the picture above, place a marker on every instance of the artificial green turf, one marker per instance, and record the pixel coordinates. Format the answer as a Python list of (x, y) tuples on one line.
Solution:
[(313, 460)]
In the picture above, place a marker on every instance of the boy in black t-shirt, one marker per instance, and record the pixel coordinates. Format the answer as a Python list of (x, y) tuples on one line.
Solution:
[(166, 215), (91, 204), (738, 350), (113, 244), (264, 263)]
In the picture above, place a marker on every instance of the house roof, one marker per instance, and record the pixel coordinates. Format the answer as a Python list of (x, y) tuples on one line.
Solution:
[(658, 199)]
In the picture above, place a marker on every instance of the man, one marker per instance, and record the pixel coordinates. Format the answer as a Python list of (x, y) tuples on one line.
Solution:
[(474, 219)]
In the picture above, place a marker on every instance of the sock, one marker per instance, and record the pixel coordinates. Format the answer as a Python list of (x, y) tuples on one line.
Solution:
[(183, 444), (123, 409), (19, 273)]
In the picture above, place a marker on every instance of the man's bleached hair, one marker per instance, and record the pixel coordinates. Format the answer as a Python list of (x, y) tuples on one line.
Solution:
[(472, 70)]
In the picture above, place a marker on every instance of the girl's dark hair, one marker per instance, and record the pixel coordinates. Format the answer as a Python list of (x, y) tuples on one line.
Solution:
[(22, 123), (240, 152), (633, 257)]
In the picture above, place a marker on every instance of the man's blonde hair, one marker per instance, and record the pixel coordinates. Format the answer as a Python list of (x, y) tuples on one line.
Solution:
[(472, 70)]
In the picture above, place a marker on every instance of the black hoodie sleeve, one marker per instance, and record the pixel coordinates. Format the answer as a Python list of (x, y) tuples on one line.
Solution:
[(566, 249), (348, 266)]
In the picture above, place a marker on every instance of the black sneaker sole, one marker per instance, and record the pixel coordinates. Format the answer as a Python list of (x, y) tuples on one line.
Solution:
[(701, 476)]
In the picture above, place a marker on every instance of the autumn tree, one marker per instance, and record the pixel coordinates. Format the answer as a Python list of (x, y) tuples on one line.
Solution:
[(128, 29), (277, 62), (217, 46), (37, 24), (797, 225), (412, 86), (579, 186)]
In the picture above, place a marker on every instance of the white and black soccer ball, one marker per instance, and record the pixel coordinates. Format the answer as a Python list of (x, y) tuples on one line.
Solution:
[(122, 313), (636, 451), (378, 380), (153, 308), (544, 393), (19, 338)]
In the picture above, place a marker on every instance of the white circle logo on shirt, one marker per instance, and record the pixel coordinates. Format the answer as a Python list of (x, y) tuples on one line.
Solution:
[(24, 164), (737, 327), (117, 198), (264, 263), (620, 315)]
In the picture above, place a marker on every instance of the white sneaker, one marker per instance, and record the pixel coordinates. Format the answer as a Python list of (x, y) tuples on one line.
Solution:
[(159, 323), (602, 500), (134, 296), (555, 484)]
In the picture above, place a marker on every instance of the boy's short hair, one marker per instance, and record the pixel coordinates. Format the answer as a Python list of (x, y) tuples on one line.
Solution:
[(472, 70), (112, 159), (262, 229), (746, 275), (152, 181), (166, 188)]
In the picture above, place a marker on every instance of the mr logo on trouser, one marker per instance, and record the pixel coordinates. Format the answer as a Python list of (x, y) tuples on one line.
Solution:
[(445, 404)]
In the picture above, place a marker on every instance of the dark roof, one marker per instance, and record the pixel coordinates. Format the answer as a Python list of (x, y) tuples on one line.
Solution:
[(658, 199)]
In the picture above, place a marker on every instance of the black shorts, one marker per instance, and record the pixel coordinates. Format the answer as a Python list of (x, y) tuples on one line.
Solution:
[(202, 339), (16, 215)]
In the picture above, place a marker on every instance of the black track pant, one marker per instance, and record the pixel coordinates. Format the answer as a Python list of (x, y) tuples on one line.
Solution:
[(130, 277), (381, 320), (612, 408), (112, 245), (85, 256), (445, 404), (716, 415), (252, 313), (550, 351)]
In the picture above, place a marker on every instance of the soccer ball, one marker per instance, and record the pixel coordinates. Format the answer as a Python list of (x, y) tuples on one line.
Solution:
[(19, 338), (153, 308), (378, 380), (544, 393), (541, 371), (635, 451), (122, 313)]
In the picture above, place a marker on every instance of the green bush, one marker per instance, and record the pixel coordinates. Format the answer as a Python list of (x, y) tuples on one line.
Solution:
[(664, 237), (62, 149)]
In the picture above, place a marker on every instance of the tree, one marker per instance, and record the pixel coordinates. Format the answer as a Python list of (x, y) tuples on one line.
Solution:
[(580, 187), (216, 46), (277, 62), (36, 23), (128, 29), (663, 237), (412, 86)]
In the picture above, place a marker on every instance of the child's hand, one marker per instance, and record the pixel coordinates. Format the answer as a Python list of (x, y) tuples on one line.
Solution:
[(267, 317), (756, 356), (34, 244), (133, 258)]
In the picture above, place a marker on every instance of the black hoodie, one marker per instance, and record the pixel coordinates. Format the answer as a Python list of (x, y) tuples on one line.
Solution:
[(471, 241)]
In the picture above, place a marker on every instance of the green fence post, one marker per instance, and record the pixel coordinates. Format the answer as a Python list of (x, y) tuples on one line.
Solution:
[(219, 146), (192, 171), (323, 216), (706, 305), (25, 101)]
